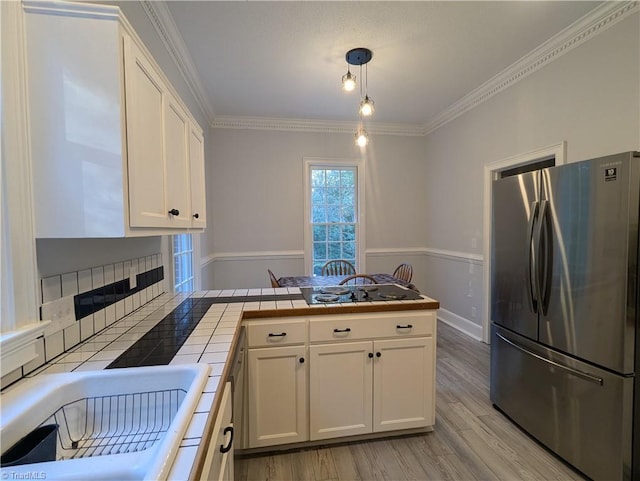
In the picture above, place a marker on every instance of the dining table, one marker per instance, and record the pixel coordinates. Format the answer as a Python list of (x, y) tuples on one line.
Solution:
[(315, 281)]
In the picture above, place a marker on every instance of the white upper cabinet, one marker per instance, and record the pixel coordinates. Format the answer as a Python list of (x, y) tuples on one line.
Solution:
[(115, 153), (196, 167)]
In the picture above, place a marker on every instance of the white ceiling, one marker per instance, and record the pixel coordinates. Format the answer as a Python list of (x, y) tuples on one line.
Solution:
[(285, 59)]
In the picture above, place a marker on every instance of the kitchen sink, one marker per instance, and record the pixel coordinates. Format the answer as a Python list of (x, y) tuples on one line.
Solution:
[(117, 424)]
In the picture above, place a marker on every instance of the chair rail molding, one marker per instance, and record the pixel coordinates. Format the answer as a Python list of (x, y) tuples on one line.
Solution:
[(251, 256), (477, 259)]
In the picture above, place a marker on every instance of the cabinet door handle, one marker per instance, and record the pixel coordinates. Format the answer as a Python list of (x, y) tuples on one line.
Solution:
[(227, 448), (175, 212), (378, 354), (281, 334), (301, 360), (346, 329), (370, 355), (196, 215), (407, 326)]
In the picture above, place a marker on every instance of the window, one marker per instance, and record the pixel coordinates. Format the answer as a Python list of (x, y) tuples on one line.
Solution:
[(334, 223), (183, 277)]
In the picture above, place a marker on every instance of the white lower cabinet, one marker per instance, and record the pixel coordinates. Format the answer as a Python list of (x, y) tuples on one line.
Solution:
[(403, 384), (218, 464), (365, 373), (371, 386), (340, 389), (277, 396)]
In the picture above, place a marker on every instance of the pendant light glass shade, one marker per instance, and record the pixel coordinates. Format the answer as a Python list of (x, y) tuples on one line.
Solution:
[(348, 82), (362, 139), (367, 107)]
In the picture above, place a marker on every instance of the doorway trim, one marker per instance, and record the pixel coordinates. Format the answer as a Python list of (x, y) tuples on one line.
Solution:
[(491, 171)]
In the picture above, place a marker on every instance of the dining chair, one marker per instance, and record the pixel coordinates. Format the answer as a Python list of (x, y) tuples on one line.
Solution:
[(338, 267), (404, 272), (274, 280), (356, 279)]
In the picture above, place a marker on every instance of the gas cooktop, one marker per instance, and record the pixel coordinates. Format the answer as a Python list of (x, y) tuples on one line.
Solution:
[(359, 293)]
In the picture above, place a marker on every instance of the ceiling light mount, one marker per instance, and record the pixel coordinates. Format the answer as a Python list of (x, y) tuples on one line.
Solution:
[(359, 56)]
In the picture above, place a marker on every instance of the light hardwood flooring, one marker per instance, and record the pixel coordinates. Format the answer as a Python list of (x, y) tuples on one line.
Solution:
[(470, 441)]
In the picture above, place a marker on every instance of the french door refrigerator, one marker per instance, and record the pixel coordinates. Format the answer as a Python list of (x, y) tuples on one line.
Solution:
[(565, 343)]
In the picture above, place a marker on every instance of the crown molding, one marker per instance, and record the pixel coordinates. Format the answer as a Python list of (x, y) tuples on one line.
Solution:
[(304, 125), (590, 25), (165, 26)]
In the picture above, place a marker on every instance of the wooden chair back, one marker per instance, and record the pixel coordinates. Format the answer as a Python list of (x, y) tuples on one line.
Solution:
[(338, 267), (404, 272), (358, 279), (273, 279)]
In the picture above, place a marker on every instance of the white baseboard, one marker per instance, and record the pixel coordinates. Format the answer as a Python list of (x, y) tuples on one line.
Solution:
[(463, 325)]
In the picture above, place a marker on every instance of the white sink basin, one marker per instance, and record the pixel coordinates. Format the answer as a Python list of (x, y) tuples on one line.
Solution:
[(116, 424)]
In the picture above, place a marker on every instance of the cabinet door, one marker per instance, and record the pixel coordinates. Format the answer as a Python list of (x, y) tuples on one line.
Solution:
[(145, 103), (403, 384), (218, 466), (340, 389), (277, 396), (198, 212), (176, 138)]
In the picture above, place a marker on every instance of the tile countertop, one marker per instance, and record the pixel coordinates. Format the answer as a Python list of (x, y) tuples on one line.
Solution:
[(212, 341)]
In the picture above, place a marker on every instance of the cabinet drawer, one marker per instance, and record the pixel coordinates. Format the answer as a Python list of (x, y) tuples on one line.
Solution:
[(371, 326), (276, 333)]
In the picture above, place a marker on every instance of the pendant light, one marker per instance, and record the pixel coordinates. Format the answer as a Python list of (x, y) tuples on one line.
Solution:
[(362, 138), (359, 56), (366, 107), (348, 81)]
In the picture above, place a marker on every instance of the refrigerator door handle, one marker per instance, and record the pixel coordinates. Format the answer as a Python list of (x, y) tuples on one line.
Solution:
[(546, 262), (532, 260), (575, 372)]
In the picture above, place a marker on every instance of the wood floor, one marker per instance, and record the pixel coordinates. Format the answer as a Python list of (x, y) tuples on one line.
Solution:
[(470, 441)]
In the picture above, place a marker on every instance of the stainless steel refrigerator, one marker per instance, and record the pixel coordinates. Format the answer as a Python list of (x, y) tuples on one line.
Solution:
[(565, 334)]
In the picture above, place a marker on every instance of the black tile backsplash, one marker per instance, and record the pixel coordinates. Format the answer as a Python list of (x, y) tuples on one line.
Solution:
[(92, 301)]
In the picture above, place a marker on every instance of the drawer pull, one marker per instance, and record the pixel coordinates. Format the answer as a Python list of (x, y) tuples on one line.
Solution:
[(281, 334), (346, 329), (407, 326), (378, 354), (227, 448), (370, 355)]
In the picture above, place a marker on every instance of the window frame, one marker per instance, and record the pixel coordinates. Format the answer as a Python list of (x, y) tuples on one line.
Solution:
[(195, 261), (324, 163)]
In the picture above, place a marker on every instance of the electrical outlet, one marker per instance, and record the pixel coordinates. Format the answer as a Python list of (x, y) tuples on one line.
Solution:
[(473, 313), (133, 282), (474, 242)]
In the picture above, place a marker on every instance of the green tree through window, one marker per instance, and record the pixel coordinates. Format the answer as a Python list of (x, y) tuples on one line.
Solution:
[(333, 215)]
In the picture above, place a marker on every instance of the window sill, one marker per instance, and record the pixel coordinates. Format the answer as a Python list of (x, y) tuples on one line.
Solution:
[(18, 347)]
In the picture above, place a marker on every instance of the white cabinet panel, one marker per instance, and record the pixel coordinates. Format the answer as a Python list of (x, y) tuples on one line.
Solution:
[(403, 380), (218, 465), (145, 98), (176, 137), (277, 396), (198, 210), (340, 389)]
